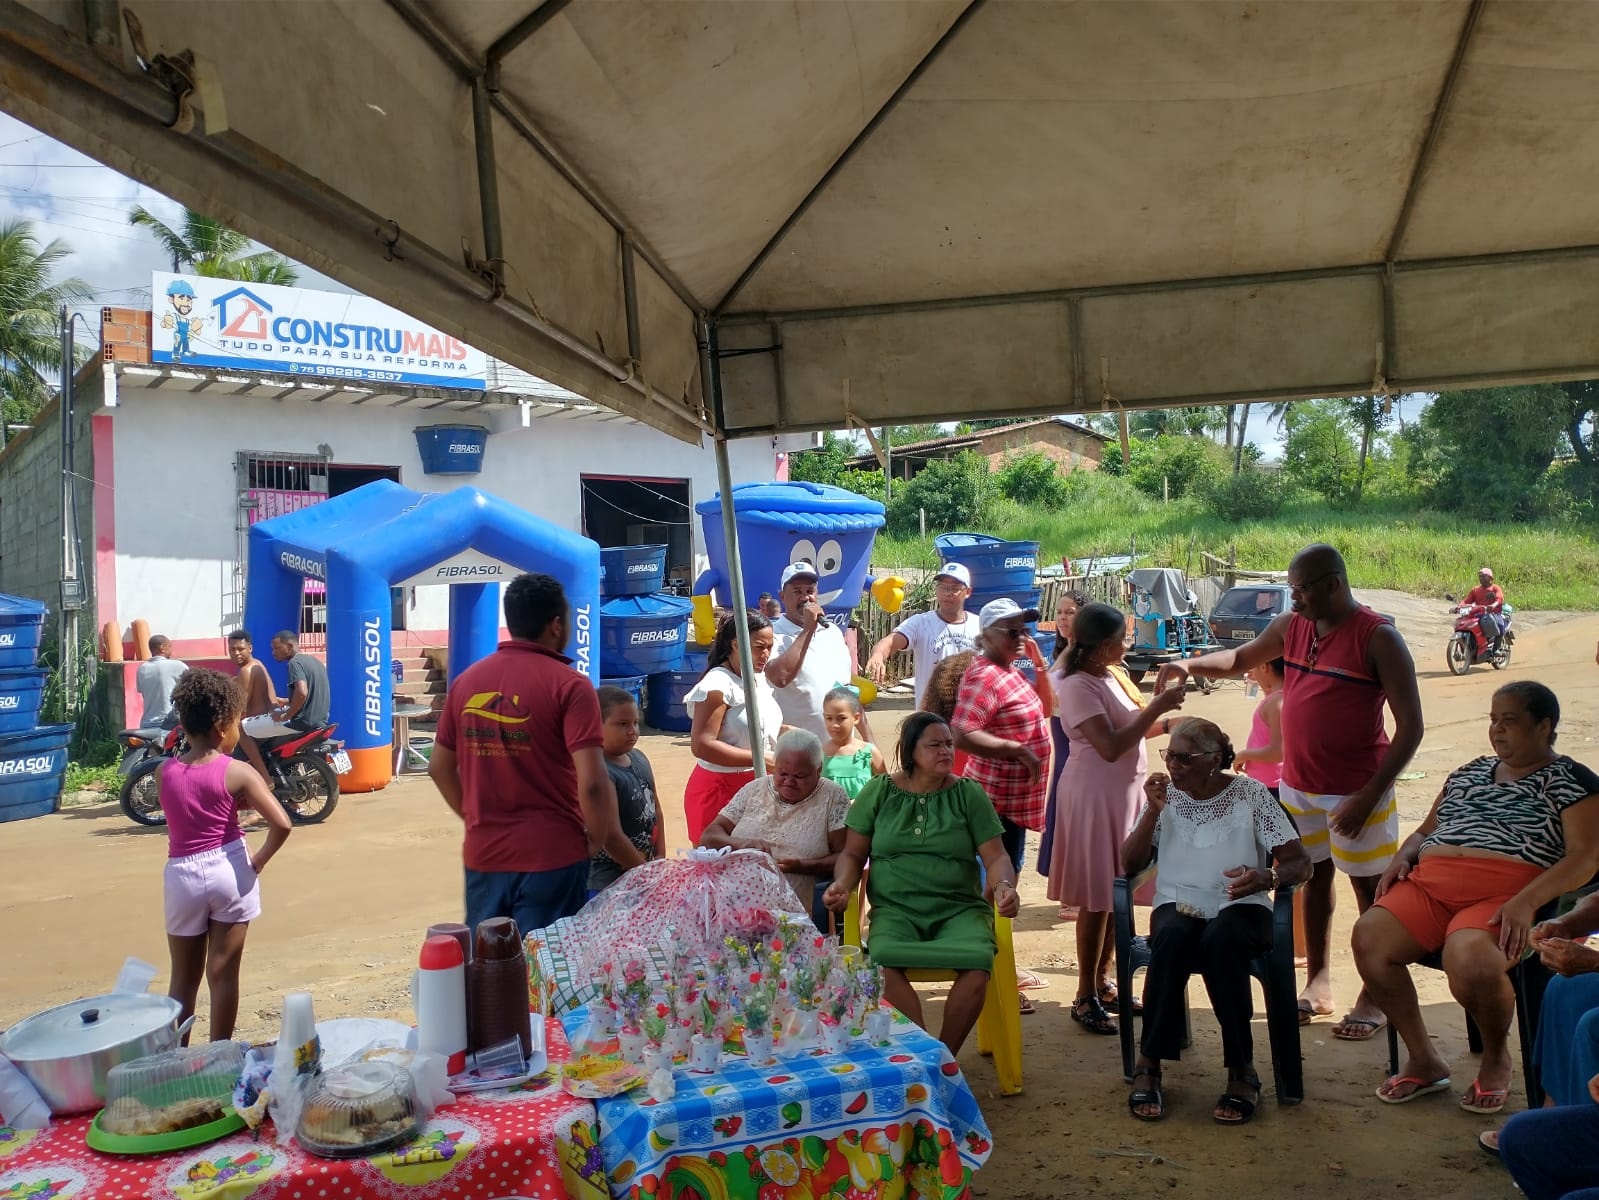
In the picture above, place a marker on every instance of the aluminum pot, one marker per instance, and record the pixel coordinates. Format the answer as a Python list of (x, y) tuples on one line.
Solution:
[(66, 1052)]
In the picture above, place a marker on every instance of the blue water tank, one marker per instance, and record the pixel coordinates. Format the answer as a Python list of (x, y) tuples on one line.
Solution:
[(21, 625), (633, 685), (452, 449), (632, 570), (32, 765), (665, 709), (640, 635), (1025, 597), (997, 566), (21, 694)]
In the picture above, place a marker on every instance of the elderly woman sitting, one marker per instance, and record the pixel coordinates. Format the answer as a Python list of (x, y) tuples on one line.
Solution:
[(924, 828), (1225, 845), (793, 814), (1508, 833)]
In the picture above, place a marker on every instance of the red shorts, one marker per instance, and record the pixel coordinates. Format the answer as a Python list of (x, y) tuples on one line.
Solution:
[(707, 794), (1444, 894)]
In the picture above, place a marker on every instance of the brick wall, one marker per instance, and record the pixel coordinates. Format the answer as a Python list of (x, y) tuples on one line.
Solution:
[(1069, 449), (125, 334)]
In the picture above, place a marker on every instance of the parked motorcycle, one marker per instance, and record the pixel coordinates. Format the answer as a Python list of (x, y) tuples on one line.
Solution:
[(1467, 646), (305, 770), (143, 752)]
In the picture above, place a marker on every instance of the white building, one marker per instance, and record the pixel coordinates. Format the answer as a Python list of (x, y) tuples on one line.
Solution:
[(174, 463)]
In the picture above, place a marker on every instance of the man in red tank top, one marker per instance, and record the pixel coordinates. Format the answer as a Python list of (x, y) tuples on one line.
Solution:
[(1343, 662)]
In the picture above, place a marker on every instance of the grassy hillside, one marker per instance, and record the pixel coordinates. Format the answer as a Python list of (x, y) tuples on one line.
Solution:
[(1424, 553)]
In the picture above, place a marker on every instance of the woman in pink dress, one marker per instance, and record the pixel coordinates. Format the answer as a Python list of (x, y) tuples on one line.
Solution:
[(1101, 791)]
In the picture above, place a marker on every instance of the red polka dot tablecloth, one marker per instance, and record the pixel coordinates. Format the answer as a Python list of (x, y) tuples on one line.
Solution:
[(521, 1142)]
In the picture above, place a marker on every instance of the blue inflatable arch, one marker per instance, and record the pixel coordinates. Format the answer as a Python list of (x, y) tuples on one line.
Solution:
[(383, 535)]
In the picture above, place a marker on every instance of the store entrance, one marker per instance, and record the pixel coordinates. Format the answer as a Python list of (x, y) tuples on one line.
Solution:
[(627, 511)]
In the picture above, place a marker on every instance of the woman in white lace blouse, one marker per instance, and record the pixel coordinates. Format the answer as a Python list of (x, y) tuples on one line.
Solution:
[(1225, 844)]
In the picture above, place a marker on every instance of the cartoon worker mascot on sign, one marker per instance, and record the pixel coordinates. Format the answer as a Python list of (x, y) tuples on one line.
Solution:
[(181, 296)]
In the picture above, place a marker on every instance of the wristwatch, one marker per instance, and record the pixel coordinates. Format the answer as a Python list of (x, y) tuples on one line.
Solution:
[(1274, 879)]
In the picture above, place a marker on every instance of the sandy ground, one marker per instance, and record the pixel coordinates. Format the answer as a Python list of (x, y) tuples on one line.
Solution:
[(346, 904)]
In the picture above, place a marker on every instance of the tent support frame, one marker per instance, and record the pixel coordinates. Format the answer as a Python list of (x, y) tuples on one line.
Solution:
[(710, 365)]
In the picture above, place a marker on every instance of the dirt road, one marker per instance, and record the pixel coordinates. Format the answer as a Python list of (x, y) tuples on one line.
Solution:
[(346, 903)]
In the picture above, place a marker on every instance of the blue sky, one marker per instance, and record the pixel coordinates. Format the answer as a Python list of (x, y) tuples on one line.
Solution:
[(85, 204)]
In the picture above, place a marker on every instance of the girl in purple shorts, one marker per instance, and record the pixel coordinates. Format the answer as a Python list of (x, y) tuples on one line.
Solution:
[(211, 892)]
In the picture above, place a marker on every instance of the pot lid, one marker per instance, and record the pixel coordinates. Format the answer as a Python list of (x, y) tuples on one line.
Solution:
[(88, 1026)]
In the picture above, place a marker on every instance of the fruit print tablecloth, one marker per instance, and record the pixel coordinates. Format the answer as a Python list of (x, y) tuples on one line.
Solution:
[(896, 1123), (539, 1145)]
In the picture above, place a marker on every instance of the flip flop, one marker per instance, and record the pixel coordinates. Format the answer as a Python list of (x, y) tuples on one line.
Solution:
[(1423, 1088), (1028, 982), (1496, 1099), (1488, 1142), (1068, 912), (1341, 1031), (1308, 1012), (1027, 1008)]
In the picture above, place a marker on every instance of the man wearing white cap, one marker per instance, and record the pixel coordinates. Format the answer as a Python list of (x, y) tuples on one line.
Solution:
[(931, 637), (1491, 597), (810, 657)]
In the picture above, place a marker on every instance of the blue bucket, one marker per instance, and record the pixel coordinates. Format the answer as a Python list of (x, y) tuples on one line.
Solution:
[(21, 693), (452, 449), (21, 626), (664, 709), (633, 685), (640, 635), (997, 566), (632, 570)]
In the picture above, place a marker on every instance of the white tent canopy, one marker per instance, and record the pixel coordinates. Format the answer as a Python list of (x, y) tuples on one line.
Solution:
[(880, 209)]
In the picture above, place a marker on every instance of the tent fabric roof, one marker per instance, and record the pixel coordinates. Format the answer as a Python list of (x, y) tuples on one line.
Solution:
[(894, 210)]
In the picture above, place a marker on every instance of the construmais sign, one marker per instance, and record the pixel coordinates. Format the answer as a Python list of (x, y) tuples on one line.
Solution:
[(203, 322)]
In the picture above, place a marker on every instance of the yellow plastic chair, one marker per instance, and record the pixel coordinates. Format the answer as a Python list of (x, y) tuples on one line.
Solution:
[(999, 1026)]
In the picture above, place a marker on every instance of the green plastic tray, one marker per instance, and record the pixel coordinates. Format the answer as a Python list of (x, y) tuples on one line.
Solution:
[(161, 1143)]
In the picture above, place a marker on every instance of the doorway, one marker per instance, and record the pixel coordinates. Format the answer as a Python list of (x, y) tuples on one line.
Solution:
[(628, 511), (346, 477)]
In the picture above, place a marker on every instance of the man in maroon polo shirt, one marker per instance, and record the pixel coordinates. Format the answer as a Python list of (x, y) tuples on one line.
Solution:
[(519, 758)]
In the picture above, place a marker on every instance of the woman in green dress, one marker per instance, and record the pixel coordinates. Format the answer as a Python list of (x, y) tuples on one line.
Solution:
[(924, 828)]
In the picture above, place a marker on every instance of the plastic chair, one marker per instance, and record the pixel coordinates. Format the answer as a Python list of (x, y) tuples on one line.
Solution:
[(1274, 969), (999, 1026)]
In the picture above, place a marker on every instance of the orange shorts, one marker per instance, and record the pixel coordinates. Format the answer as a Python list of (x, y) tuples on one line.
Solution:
[(1444, 894)]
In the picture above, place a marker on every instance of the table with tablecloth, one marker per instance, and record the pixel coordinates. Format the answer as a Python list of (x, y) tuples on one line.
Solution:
[(871, 1123), (531, 1141)]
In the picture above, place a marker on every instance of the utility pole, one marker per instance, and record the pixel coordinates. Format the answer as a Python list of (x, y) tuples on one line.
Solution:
[(71, 583), (888, 464)]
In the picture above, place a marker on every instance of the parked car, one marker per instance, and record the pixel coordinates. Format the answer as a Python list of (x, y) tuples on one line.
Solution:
[(1243, 612)]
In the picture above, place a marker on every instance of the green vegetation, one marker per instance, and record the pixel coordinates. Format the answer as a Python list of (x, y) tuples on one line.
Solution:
[(207, 247), (31, 299)]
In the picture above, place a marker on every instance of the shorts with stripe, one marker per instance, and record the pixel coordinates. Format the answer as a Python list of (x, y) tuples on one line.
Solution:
[(1367, 854)]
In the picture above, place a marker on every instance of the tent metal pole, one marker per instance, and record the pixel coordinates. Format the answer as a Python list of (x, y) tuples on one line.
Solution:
[(712, 371)]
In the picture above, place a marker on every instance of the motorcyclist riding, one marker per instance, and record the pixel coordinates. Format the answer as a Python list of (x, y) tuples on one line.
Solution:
[(1491, 597)]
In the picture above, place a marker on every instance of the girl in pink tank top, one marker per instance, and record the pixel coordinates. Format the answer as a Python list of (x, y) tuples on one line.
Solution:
[(1262, 757), (211, 893)]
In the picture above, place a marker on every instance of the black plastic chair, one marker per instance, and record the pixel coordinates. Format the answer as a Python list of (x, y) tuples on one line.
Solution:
[(1274, 969)]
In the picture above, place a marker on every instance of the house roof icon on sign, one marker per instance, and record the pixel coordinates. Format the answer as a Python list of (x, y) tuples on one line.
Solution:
[(241, 313)]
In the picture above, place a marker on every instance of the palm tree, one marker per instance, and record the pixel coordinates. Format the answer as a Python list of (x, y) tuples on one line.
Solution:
[(31, 300), (208, 247)]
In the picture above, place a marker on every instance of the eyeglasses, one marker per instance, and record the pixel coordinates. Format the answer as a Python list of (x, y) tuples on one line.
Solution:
[(1299, 589), (1008, 632), (1176, 759)]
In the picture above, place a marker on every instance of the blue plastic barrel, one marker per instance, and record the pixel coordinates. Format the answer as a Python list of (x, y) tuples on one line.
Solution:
[(1025, 597), (21, 625), (664, 707), (997, 566), (451, 449), (632, 570), (640, 635), (32, 765), (633, 685), (21, 693)]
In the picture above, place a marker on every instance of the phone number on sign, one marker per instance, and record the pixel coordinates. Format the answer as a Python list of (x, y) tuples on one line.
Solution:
[(347, 373)]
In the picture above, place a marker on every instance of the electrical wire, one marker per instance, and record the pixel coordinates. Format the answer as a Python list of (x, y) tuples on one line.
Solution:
[(589, 490)]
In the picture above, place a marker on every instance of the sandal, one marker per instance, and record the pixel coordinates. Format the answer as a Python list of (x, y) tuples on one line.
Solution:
[(1109, 993), (1488, 1142), (1232, 1103), (1091, 1015), (1486, 1101), (1027, 1008), (1140, 1097)]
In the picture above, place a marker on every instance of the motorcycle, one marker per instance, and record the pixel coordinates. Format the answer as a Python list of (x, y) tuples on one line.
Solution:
[(305, 770), (143, 752), (1467, 646)]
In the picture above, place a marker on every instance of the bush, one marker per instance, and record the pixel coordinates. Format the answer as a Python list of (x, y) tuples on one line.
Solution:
[(951, 491), (1175, 465), (1250, 495), (1032, 479)]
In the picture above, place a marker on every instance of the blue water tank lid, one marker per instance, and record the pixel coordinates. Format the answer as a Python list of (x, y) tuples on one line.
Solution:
[(38, 732), (798, 506), (954, 540), (656, 604), (21, 606)]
